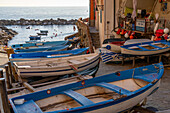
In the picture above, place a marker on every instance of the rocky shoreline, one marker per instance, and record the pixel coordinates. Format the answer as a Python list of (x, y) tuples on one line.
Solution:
[(23, 21), (6, 34)]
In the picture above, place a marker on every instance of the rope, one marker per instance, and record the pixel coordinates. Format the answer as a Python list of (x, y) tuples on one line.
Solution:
[(134, 79)]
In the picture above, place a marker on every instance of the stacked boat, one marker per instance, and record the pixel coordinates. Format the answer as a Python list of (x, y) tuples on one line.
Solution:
[(135, 47), (112, 93), (47, 59), (116, 92)]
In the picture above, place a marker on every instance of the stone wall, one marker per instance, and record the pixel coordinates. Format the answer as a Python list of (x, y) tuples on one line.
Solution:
[(23, 21)]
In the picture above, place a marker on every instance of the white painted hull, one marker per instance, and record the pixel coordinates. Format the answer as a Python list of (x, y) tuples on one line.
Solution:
[(114, 48), (56, 71), (125, 105), (133, 52)]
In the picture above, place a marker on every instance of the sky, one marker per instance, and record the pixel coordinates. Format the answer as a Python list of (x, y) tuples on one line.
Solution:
[(30, 3)]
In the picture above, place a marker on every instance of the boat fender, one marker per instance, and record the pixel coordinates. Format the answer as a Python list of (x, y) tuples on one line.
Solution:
[(48, 91), (83, 82), (118, 73), (108, 47)]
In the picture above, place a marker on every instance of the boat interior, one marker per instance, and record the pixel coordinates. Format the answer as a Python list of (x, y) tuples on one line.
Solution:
[(90, 95), (151, 46), (58, 62), (87, 92)]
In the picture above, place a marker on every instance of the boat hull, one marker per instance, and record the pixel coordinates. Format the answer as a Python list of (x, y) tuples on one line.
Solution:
[(126, 104), (142, 53), (56, 71)]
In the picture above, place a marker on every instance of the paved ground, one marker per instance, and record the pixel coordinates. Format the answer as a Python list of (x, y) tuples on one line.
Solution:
[(159, 100)]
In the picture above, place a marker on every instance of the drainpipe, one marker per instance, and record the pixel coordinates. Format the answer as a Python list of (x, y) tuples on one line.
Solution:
[(114, 15)]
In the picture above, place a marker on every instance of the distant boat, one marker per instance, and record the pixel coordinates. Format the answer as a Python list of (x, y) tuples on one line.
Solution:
[(39, 44), (34, 39), (43, 32), (57, 66), (146, 48), (112, 93), (46, 55)]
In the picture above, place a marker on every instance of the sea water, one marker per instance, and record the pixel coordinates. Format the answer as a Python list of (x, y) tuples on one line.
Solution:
[(56, 32)]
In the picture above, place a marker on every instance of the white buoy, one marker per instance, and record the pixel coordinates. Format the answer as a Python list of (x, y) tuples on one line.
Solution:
[(126, 35), (166, 30)]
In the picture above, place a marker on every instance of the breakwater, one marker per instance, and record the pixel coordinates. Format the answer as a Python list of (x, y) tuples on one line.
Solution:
[(23, 21)]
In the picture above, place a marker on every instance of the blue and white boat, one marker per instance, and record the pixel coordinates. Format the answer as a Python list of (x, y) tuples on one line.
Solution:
[(43, 32), (34, 39), (109, 56), (41, 49), (39, 44), (112, 93), (46, 55), (146, 48), (56, 66)]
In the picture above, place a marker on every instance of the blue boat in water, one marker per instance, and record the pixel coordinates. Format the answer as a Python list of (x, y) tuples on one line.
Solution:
[(46, 55), (112, 93), (40, 49), (39, 44)]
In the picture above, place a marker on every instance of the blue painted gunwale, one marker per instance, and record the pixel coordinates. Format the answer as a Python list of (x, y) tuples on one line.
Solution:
[(50, 43), (39, 49), (46, 54), (147, 43), (91, 82)]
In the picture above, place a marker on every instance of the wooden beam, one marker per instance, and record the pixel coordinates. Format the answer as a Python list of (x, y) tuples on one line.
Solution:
[(7, 77), (10, 72), (29, 87), (134, 61), (44, 84), (1, 73), (4, 99)]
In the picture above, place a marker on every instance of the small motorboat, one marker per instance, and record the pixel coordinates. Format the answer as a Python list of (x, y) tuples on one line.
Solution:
[(146, 48), (112, 93), (56, 66), (43, 32), (46, 55)]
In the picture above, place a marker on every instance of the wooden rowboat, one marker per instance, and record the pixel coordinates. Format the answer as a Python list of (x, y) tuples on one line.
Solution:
[(41, 49), (146, 48), (39, 44), (57, 66), (112, 93), (46, 55), (115, 46)]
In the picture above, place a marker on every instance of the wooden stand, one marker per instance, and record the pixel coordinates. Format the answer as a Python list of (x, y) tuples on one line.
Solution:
[(1, 73), (7, 77), (3, 97)]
